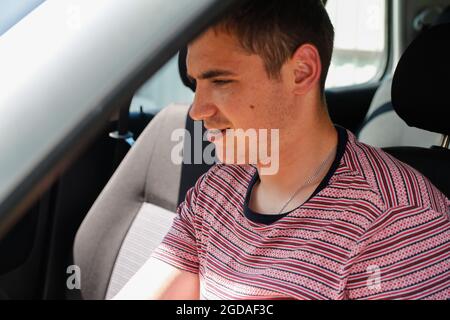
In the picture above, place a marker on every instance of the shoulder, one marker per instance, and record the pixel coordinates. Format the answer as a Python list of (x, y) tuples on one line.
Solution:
[(396, 183), (221, 181)]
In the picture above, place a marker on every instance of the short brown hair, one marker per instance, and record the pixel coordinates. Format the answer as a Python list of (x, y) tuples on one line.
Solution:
[(275, 29)]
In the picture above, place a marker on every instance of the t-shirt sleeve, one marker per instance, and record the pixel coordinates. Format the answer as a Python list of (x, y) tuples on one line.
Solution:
[(179, 247), (404, 256)]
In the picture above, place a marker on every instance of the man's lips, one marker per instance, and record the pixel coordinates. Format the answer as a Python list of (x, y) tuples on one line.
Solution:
[(213, 135)]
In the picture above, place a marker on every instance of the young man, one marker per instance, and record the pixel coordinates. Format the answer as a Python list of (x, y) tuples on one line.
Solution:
[(338, 219)]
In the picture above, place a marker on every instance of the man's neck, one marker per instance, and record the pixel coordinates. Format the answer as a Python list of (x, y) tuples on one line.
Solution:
[(302, 151)]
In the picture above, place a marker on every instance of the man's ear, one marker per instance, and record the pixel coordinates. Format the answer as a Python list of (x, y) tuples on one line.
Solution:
[(307, 68)]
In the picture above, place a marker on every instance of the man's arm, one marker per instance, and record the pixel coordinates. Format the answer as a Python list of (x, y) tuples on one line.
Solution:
[(157, 280)]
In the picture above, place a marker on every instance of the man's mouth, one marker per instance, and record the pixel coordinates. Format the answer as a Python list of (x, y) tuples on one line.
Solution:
[(216, 134)]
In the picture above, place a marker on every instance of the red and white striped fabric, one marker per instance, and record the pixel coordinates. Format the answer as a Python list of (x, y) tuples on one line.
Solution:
[(378, 230)]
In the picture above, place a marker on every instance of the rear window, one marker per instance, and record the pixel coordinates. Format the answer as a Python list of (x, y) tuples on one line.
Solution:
[(360, 51)]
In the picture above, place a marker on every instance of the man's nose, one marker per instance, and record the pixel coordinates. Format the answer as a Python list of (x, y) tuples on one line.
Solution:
[(202, 108)]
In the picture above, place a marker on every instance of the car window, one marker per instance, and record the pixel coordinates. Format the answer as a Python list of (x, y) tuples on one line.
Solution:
[(12, 11), (360, 43), (163, 89)]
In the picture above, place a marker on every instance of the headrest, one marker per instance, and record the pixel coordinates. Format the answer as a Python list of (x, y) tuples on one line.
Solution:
[(421, 85), (444, 17)]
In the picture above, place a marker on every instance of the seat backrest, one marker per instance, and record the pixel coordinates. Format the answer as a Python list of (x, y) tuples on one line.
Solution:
[(384, 128), (133, 212), (420, 99)]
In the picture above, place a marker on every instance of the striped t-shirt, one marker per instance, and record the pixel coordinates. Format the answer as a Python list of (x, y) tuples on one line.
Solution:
[(374, 229)]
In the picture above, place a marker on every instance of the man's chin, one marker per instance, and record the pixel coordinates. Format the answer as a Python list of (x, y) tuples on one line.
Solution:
[(230, 156), (269, 167), (245, 149)]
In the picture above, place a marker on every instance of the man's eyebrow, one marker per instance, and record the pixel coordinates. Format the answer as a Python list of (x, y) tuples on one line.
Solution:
[(212, 74)]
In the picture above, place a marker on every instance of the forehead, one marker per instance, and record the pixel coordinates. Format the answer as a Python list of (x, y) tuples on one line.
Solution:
[(216, 50)]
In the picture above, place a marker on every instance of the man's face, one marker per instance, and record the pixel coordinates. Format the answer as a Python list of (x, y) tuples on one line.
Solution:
[(234, 90)]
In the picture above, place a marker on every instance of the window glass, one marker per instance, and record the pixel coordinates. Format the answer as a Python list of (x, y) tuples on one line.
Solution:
[(12, 11), (163, 89), (360, 42)]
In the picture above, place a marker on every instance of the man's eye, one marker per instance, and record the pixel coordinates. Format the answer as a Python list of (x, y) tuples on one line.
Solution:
[(221, 82)]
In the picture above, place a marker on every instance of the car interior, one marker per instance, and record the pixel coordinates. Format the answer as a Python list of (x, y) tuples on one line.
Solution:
[(112, 207)]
